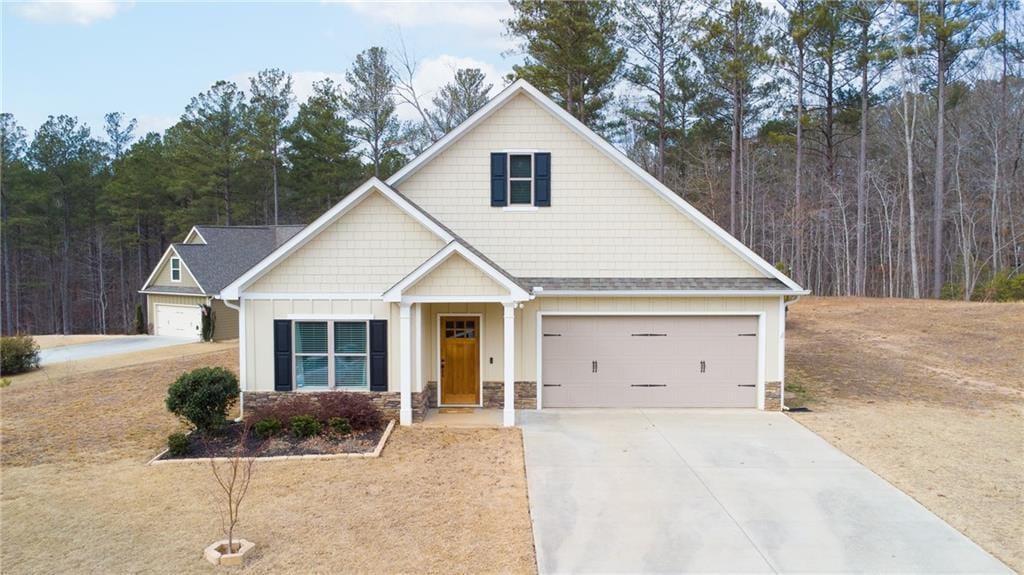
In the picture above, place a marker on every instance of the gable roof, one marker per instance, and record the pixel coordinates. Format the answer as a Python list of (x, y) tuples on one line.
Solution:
[(501, 277), (656, 286), (226, 253), (332, 215), (522, 87)]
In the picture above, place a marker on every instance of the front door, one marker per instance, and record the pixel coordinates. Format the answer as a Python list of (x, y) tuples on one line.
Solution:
[(460, 360)]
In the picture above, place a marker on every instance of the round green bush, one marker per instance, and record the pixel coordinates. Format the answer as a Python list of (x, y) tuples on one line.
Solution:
[(18, 353), (339, 425), (203, 396), (267, 427), (177, 444), (304, 426)]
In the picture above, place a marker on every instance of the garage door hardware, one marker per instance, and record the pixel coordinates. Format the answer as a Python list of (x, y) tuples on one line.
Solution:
[(703, 366), (552, 335), (746, 385), (649, 335), (552, 385), (747, 334), (593, 367), (649, 385)]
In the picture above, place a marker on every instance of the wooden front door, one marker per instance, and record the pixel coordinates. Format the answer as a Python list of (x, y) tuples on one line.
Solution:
[(460, 360)]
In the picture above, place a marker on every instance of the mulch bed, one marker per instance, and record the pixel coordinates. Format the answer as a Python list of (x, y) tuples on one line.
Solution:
[(202, 446)]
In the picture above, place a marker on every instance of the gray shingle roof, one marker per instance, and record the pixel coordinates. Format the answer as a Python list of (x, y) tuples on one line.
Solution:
[(655, 284), (229, 252)]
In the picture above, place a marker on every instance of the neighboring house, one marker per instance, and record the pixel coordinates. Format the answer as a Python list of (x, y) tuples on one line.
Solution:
[(520, 261), (191, 274)]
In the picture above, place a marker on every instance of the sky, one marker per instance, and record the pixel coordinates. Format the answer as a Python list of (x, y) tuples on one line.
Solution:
[(148, 59)]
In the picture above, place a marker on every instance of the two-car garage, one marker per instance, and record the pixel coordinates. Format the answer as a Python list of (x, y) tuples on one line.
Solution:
[(650, 361)]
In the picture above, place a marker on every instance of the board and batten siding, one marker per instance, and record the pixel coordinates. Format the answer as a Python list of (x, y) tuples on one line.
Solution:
[(456, 276), (602, 222), (367, 250), (259, 326), (225, 321)]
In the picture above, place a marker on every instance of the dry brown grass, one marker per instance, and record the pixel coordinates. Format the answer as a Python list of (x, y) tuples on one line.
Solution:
[(76, 496), (928, 394)]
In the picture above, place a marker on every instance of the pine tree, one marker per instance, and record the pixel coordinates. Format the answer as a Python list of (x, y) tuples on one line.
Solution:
[(571, 53), (270, 102), (321, 152), (370, 105)]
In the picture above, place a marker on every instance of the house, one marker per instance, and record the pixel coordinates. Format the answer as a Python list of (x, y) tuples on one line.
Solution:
[(191, 274), (519, 262)]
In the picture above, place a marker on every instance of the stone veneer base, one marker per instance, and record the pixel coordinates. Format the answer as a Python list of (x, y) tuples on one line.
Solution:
[(493, 394), (389, 402)]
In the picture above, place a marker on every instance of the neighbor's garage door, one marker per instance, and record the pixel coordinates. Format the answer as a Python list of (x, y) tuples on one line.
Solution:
[(178, 320), (649, 361)]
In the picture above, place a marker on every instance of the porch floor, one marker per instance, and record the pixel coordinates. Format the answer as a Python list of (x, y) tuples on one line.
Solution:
[(462, 417)]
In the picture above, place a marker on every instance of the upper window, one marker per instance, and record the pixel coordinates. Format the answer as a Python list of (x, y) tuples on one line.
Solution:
[(520, 179), (331, 355), (175, 270)]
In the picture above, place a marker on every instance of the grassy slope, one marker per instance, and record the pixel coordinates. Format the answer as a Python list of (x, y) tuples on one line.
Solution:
[(928, 394)]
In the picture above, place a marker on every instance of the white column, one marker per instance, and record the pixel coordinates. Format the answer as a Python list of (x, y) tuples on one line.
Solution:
[(405, 364), (510, 364)]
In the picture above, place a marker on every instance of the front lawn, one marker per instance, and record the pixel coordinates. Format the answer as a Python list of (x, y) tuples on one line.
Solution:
[(77, 497)]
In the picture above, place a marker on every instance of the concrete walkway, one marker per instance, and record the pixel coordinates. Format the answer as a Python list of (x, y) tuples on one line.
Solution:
[(111, 346), (633, 491)]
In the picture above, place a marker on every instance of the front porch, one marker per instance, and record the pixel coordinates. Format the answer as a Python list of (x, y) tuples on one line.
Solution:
[(457, 335)]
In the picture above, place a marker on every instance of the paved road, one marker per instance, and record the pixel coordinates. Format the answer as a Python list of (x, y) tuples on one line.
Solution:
[(631, 491), (112, 346)]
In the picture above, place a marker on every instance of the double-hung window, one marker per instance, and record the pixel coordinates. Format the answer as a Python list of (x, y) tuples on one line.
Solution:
[(175, 269), (520, 179), (331, 355)]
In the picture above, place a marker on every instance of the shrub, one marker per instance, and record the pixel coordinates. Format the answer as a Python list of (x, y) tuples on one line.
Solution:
[(203, 396), (268, 427), (357, 408), (177, 444), (18, 353), (5, 381), (339, 425), (209, 322), (1002, 287), (140, 324), (304, 426)]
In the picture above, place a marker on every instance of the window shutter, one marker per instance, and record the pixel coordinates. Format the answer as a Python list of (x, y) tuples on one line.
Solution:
[(542, 179), (378, 355), (282, 355), (499, 179)]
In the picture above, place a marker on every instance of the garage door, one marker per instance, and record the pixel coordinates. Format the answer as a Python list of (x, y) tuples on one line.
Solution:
[(649, 361), (178, 320)]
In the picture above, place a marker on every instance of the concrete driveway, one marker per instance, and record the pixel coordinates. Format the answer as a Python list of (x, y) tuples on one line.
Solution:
[(112, 346), (631, 491)]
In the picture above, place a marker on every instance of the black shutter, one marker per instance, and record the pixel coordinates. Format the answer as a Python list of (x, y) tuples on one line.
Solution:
[(542, 179), (499, 179), (282, 355), (378, 355)]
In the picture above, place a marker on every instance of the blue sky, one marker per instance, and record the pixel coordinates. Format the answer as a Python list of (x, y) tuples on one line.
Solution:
[(148, 59)]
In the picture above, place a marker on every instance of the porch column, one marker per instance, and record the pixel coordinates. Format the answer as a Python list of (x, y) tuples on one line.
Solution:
[(405, 364), (510, 364)]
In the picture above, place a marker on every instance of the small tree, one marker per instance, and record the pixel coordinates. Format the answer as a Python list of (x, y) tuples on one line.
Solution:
[(209, 322), (233, 475), (140, 323)]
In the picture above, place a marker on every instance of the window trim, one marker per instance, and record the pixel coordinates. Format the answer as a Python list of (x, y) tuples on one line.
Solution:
[(173, 269), (330, 355), (510, 179)]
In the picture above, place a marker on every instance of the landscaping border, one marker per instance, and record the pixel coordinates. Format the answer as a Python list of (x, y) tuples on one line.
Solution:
[(369, 454)]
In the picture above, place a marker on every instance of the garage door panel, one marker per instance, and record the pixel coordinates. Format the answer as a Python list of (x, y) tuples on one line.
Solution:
[(650, 361), (178, 320)]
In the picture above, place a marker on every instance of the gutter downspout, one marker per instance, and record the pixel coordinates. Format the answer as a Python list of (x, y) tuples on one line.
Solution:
[(241, 354)]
